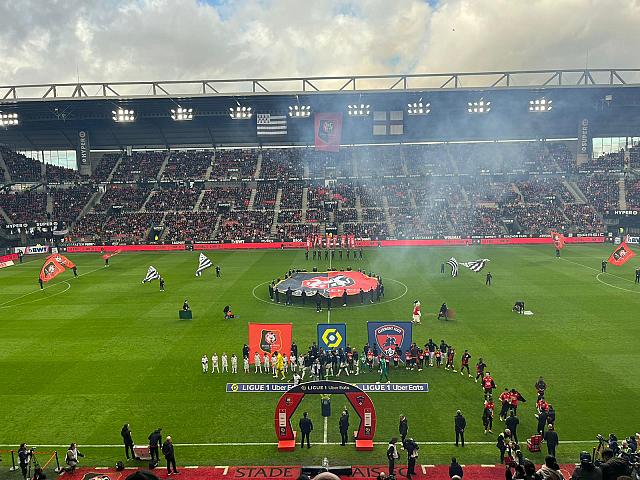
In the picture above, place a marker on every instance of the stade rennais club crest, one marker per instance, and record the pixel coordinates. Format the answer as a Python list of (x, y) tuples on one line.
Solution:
[(331, 284)]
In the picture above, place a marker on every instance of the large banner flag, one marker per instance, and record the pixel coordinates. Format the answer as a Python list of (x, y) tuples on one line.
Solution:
[(269, 338), (558, 240), (453, 263), (267, 124), (387, 335), (332, 336), (53, 266), (152, 274), (328, 284), (328, 131), (203, 264), (109, 255), (475, 265), (621, 255)]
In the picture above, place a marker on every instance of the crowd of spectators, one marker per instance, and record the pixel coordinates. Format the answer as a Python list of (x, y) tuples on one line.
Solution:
[(187, 165), (89, 228), (69, 202), (190, 226), (234, 164), (21, 168), (236, 197), (265, 198), (328, 165), (22, 207), (600, 190), (103, 170), (57, 174), (139, 167), (291, 195), (281, 164), (411, 223), (583, 218), (245, 225), (130, 227), (171, 200), (129, 197)]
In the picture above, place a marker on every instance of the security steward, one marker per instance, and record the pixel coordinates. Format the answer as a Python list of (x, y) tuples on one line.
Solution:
[(306, 427)]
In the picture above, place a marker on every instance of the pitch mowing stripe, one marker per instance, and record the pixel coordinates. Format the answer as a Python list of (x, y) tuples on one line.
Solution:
[(263, 444)]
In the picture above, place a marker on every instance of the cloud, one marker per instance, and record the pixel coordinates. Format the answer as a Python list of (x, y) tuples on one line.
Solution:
[(118, 40)]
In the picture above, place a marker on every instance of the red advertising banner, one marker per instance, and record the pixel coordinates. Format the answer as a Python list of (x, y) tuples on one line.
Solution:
[(269, 338), (328, 131)]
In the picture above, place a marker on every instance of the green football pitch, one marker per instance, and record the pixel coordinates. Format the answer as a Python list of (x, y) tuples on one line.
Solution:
[(88, 354)]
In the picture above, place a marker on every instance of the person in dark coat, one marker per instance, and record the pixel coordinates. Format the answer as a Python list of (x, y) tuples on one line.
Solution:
[(155, 442), (392, 455), (412, 455), (613, 467), (271, 291), (460, 424), (303, 296), (277, 294), (512, 424), (551, 438), (306, 427), (318, 302), (289, 297), (343, 424), (169, 455), (344, 297), (586, 470), (542, 421), (403, 429), (128, 441), (24, 457), (501, 445), (245, 351), (455, 468), (41, 283)]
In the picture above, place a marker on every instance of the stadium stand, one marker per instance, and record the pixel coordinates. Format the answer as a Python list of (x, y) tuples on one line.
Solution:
[(404, 192)]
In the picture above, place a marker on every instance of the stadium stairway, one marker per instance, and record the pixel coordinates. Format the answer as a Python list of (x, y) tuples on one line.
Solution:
[(196, 207), (163, 166), (92, 202), (622, 194), (217, 226), (252, 198), (49, 203), (575, 191), (114, 169), (256, 174), (305, 204), (391, 228), (143, 208), (359, 208), (7, 175), (4, 215)]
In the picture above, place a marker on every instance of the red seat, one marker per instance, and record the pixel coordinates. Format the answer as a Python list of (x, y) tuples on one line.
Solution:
[(533, 443)]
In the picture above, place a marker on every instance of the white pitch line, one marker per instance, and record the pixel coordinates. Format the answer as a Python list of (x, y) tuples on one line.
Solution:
[(261, 444), (326, 421)]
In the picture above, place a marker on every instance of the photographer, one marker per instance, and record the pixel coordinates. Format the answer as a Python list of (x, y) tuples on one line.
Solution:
[(613, 467), (586, 470), (71, 458), (24, 457)]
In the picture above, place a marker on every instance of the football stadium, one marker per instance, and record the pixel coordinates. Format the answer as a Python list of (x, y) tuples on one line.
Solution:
[(355, 276)]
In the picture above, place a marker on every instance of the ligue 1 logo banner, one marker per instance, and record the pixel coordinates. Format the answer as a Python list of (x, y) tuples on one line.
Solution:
[(389, 335), (332, 336), (269, 338)]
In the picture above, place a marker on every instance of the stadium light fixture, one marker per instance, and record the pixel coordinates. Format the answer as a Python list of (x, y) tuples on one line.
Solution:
[(9, 119), (123, 115), (361, 110), (418, 108), (299, 111), (240, 113), (540, 105), (479, 107), (182, 114)]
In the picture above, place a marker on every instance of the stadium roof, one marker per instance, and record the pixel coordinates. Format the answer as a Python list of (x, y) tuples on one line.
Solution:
[(51, 115)]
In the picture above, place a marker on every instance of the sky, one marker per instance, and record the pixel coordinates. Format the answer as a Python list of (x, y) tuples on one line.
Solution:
[(44, 41)]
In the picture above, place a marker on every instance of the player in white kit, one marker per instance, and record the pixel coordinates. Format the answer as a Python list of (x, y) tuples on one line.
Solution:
[(256, 363), (225, 363), (205, 363), (245, 364), (214, 363), (234, 363)]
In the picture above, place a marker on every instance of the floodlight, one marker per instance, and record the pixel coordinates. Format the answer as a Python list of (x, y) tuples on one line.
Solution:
[(361, 110), (299, 111), (479, 107), (418, 108), (240, 113), (8, 119), (182, 114), (540, 105), (123, 115)]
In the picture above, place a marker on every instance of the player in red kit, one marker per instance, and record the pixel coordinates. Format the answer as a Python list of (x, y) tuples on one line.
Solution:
[(487, 416), (488, 384), (451, 353), (505, 401), (465, 363)]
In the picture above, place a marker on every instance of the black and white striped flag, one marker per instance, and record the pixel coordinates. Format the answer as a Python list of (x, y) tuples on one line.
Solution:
[(453, 263), (152, 274), (476, 265), (267, 124), (203, 264)]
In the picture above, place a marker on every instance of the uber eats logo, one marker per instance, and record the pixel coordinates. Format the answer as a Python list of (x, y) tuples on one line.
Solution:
[(332, 336)]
